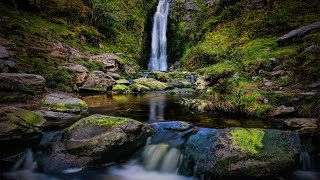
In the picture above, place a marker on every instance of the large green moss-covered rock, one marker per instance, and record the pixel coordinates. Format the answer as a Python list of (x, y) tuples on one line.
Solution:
[(63, 103), (139, 88), (240, 152), (120, 88), (152, 83), (94, 140)]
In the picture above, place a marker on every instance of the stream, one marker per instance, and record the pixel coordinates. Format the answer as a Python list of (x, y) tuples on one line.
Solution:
[(160, 157)]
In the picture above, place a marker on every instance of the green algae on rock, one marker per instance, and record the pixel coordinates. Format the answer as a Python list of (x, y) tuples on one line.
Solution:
[(95, 140), (63, 103), (152, 83)]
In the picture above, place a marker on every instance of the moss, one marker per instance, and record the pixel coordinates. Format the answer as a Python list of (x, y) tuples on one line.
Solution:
[(99, 120), (31, 118), (247, 140), (136, 87), (151, 83), (120, 88)]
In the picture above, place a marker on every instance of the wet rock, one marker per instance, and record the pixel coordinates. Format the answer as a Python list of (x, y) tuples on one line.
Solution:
[(63, 103), (239, 152), (98, 81), (198, 105), (172, 125), (152, 83), (181, 83), (16, 123), (94, 140), (281, 110), (80, 71), (19, 129), (58, 116), (120, 88), (19, 86), (287, 38), (304, 126), (160, 76), (3, 53), (139, 88)]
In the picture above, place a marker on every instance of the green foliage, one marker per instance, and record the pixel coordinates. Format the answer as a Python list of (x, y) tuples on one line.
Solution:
[(247, 140)]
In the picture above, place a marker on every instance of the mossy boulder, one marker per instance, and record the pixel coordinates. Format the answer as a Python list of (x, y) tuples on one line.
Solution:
[(197, 105), (15, 87), (120, 88), (152, 83), (181, 83), (160, 76), (19, 129), (94, 140), (16, 123), (123, 81), (139, 88), (63, 103), (240, 152)]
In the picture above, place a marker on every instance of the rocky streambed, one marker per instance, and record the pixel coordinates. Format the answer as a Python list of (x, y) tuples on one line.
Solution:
[(74, 138)]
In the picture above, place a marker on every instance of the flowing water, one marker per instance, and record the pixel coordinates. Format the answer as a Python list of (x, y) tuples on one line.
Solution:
[(158, 60)]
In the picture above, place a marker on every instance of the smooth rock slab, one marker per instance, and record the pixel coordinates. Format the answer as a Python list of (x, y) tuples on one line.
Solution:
[(285, 39), (94, 140), (63, 103), (239, 152), (304, 126), (58, 116), (20, 87)]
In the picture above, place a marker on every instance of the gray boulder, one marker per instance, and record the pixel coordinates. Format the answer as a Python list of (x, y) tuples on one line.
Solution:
[(287, 38), (304, 126), (20, 86), (80, 72), (3, 53), (98, 81)]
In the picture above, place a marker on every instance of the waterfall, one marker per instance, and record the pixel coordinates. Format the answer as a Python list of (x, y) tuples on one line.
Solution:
[(158, 60)]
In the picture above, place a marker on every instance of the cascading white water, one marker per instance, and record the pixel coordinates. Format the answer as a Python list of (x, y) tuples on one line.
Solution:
[(158, 60)]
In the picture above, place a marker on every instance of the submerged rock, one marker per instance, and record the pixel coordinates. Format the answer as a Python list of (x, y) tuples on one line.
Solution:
[(94, 140), (19, 86), (98, 81), (63, 103), (239, 152)]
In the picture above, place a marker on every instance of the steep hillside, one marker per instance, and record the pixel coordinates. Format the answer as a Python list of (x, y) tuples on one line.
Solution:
[(45, 35), (234, 45)]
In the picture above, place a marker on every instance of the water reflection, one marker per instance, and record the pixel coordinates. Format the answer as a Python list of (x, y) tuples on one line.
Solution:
[(156, 109), (153, 107)]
